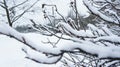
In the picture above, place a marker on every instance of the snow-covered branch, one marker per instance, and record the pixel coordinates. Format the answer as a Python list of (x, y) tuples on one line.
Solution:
[(52, 54), (100, 8), (67, 29)]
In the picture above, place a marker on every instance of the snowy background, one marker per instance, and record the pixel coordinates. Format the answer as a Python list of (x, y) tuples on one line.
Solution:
[(11, 54)]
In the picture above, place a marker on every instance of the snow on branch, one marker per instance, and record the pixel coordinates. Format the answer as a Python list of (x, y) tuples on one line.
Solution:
[(39, 57), (66, 28), (100, 8), (112, 39), (51, 54), (96, 31)]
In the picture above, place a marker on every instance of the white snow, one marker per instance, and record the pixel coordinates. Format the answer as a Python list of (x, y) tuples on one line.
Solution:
[(96, 30), (113, 39), (97, 12), (11, 54), (81, 33), (62, 5), (63, 45)]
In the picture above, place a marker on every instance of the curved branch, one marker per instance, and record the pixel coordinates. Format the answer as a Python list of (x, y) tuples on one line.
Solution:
[(55, 54)]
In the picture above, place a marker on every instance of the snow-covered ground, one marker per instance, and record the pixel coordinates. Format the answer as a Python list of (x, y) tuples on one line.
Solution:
[(11, 54)]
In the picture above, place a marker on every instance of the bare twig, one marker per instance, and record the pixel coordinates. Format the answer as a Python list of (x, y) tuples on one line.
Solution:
[(18, 5), (19, 16)]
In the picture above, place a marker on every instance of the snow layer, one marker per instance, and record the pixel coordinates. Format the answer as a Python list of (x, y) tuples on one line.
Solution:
[(11, 54), (81, 33), (96, 11), (63, 45)]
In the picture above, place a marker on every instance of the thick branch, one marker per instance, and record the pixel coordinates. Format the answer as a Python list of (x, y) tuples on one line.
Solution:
[(87, 47)]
